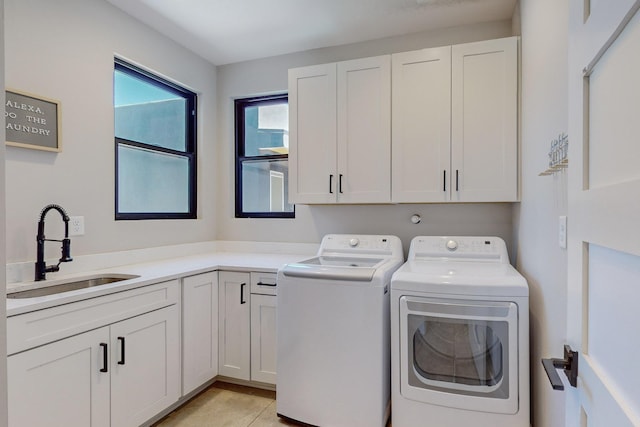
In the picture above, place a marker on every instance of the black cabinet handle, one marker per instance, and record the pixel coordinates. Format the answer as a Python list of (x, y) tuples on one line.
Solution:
[(330, 184), (267, 284), (121, 361), (340, 183), (242, 301), (444, 180), (457, 189), (105, 357)]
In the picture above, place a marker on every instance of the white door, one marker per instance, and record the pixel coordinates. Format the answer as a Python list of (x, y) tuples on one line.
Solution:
[(364, 130), (604, 212), (312, 134), (145, 366), (235, 330), (199, 330), (421, 125), (484, 125), (263, 338), (65, 383)]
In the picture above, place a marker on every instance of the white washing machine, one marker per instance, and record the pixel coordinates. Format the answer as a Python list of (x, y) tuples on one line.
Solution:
[(333, 333), (459, 336)]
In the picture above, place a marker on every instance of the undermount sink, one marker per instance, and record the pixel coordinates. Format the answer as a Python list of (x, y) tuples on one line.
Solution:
[(72, 285)]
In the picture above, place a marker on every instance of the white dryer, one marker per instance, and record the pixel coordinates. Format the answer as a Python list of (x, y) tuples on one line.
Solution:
[(459, 336), (333, 333)]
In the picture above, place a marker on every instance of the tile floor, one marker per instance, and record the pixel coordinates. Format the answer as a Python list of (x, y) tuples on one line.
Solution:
[(227, 405)]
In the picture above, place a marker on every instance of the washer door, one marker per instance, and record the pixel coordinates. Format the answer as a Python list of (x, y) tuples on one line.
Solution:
[(460, 354)]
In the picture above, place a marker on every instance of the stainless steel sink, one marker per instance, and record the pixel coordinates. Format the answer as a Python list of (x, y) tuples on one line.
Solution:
[(73, 285)]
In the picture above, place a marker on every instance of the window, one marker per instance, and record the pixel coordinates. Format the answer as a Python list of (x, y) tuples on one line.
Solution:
[(262, 166), (155, 138)]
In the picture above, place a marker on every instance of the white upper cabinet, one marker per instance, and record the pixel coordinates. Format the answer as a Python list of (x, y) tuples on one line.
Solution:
[(312, 134), (455, 123), (421, 125), (484, 121), (340, 132)]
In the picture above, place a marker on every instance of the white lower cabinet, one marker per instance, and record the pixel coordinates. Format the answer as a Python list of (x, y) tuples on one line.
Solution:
[(247, 336), (199, 330), (235, 333), (263, 338), (120, 375), (61, 384)]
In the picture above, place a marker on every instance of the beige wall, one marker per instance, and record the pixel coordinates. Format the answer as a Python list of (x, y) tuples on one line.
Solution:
[(544, 115), (312, 222), (3, 305), (64, 50)]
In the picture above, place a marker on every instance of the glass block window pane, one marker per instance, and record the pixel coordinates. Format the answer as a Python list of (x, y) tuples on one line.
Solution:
[(265, 186), (151, 182)]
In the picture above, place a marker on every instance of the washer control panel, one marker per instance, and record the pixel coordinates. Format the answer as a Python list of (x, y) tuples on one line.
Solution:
[(348, 243)]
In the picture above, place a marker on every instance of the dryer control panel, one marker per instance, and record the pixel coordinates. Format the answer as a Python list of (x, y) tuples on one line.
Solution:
[(470, 248), (354, 244)]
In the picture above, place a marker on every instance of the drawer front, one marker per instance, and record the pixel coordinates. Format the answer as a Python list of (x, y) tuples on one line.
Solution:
[(40, 327), (263, 283)]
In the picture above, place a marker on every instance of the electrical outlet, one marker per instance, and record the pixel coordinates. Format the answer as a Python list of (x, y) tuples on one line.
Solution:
[(562, 232), (76, 226)]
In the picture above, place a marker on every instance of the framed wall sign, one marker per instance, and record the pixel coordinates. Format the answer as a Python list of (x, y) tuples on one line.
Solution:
[(32, 121)]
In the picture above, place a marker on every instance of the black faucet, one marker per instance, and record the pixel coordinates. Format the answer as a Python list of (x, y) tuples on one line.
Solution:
[(41, 267)]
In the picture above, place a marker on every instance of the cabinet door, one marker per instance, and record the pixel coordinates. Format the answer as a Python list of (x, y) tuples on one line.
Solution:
[(60, 384), (235, 333), (263, 338), (364, 130), (421, 125), (199, 330), (145, 366), (312, 134), (484, 121)]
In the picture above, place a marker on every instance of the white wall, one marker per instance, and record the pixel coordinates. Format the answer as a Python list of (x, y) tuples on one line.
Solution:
[(312, 222), (3, 305), (64, 50), (544, 115)]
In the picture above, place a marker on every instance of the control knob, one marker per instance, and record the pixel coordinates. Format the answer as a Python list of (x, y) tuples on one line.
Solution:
[(452, 245), (354, 242)]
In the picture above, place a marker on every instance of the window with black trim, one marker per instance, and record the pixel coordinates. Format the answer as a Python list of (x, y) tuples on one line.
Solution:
[(155, 142), (262, 153)]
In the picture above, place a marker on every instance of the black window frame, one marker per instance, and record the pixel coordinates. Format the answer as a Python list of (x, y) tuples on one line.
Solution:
[(239, 107), (190, 152)]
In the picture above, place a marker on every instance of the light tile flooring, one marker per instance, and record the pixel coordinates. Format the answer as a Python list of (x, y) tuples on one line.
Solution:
[(227, 405)]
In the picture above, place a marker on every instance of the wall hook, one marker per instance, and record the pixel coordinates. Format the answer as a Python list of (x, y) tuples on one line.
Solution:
[(569, 364)]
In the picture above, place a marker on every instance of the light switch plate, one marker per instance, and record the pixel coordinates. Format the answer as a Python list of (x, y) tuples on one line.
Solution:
[(562, 232)]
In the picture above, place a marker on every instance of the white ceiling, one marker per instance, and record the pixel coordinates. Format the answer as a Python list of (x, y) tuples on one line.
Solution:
[(227, 31)]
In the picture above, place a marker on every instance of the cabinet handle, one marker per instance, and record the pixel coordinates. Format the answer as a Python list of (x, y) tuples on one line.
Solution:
[(267, 284), (121, 361), (340, 184), (444, 180), (330, 184), (242, 301), (105, 357), (457, 189)]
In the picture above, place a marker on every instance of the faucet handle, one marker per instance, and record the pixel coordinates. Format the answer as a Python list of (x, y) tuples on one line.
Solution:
[(66, 250)]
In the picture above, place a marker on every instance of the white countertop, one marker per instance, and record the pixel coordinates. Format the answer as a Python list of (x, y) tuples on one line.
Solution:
[(150, 273)]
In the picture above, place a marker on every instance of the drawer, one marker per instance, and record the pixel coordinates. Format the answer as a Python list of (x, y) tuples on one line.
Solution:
[(263, 283), (40, 327)]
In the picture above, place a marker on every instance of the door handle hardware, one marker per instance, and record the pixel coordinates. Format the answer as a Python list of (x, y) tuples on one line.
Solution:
[(569, 364), (457, 180), (121, 361), (340, 184), (444, 180), (330, 184), (105, 357), (267, 284), (242, 301)]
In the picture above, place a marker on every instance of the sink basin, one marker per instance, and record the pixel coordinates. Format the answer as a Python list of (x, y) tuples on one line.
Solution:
[(73, 285)]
